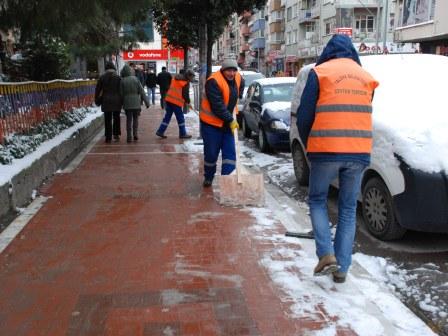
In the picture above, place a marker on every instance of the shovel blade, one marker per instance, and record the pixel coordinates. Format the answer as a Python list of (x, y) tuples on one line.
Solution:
[(249, 192)]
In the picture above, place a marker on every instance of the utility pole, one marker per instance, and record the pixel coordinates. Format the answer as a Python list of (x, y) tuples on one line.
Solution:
[(377, 26), (385, 11)]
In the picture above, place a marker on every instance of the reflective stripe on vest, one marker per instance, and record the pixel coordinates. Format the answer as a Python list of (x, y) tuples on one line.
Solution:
[(343, 120), (174, 94), (206, 114)]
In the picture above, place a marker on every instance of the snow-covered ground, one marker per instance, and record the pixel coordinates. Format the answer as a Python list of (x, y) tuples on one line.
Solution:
[(368, 304)]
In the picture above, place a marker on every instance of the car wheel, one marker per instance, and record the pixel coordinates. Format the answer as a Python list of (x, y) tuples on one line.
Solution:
[(378, 211), (301, 169), (246, 130), (262, 141)]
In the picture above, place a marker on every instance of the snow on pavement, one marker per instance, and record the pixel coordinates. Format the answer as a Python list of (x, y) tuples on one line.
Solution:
[(362, 304)]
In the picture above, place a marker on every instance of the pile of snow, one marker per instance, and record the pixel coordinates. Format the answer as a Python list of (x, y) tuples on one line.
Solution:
[(409, 109)]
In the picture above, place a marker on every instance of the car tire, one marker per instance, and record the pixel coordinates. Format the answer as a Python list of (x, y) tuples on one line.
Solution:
[(378, 211), (301, 169), (247, 132), (262, 141)]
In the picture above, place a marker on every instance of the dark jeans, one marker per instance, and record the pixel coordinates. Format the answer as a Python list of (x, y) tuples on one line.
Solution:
[(162, 99), (132, 123), (112, 124)]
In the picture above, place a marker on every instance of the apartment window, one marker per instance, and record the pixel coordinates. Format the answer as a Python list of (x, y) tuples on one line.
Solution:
[(309, 27), (289, 14), (295, 11), (364, 23), (294, 36), (329, 25), (288, 38)]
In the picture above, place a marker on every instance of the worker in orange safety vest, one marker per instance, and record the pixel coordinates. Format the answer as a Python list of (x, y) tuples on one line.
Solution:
[(218, 107), (334, 120), (177, 96)]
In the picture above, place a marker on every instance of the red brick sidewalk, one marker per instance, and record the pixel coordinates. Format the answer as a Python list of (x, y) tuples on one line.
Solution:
[(130, 244)]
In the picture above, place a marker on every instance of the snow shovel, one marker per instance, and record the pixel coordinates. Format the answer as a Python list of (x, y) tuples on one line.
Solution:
[(243, 188)]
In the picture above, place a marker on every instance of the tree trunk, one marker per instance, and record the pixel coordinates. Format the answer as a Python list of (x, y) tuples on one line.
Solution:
[(202, 58), (100, 62), (209, 50), (185, 57)]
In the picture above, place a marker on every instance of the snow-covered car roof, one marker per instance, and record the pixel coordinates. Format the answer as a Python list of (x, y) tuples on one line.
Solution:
[(409, 108), (276, 80), (248, 72)]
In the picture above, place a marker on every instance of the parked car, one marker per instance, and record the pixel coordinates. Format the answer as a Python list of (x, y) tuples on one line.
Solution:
[(267, 112), (249, 77), (406, 184)]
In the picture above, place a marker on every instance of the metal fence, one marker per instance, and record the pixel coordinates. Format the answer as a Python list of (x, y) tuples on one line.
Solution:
[(24, 105)]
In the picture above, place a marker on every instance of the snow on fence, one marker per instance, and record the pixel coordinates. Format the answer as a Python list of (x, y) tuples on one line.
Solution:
[(24, 105)]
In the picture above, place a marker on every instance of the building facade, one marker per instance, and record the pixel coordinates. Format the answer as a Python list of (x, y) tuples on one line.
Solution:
[(423, 21)]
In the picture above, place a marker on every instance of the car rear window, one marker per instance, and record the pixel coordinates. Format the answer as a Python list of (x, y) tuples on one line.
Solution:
[(279, 92)]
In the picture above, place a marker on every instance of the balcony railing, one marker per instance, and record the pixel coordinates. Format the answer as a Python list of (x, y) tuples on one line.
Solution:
[(305, 15), (245, 47)]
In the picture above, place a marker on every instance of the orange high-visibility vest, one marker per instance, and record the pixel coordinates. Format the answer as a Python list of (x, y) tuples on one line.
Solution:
[(174, 94), (343, 120), (206, 114)]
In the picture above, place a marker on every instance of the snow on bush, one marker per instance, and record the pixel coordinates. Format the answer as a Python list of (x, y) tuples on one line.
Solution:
[(18, 145)]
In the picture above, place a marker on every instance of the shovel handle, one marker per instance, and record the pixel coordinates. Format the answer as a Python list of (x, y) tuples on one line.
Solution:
[(237, 151)]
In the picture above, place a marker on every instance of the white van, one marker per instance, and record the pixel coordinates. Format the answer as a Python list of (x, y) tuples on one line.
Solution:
[(406, 185)]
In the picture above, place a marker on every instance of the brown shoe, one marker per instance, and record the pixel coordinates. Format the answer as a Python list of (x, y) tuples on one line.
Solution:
[(326, 265), (339, 277)]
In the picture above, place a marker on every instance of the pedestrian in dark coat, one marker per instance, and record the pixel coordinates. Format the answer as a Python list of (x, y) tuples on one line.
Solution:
[(151, 82), (133, 94), (164, 81), (107, 94)]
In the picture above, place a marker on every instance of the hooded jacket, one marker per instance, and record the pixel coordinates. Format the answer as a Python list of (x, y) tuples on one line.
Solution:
[(131, 90), (340, 46)]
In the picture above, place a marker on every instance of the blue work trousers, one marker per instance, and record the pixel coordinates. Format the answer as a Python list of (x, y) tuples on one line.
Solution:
[(321, 176), (217, 140), (169, 110)]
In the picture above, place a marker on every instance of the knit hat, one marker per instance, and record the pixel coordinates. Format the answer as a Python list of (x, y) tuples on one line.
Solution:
[(229, 63)]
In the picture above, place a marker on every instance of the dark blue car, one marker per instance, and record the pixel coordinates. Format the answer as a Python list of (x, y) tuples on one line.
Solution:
[(266, 112)]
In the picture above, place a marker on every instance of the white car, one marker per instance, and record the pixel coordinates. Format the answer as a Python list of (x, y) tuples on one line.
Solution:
[(406, 184), (249, 77)]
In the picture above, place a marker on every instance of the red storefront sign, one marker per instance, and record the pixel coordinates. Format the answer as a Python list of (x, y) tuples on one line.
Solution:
[(151, 55), (344, 31)]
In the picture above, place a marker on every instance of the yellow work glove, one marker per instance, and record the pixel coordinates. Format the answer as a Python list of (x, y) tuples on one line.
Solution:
[(234, 125)]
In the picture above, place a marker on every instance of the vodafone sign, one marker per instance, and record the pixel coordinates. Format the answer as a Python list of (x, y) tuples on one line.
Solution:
[(151, 55)]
